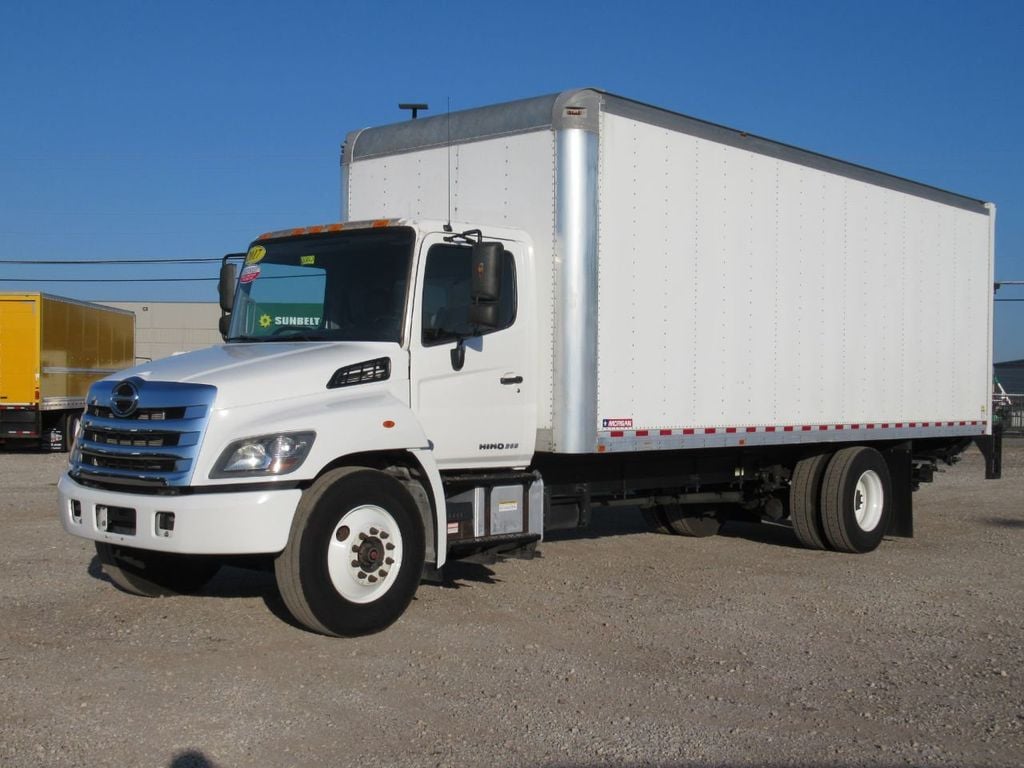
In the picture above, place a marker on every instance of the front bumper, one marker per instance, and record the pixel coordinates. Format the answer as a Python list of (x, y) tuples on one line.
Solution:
[(247, 523)]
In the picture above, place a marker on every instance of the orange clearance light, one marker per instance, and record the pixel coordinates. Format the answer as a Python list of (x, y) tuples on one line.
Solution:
[(335, 227), (381, 223), (388, 424)]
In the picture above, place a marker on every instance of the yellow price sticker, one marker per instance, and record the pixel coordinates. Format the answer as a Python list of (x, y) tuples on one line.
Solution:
[(307, 261), (255, 255)]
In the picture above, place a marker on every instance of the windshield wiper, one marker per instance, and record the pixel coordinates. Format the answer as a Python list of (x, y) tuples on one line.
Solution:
[(296, 334)]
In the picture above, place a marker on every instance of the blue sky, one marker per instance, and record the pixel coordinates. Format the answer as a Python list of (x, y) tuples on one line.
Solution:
[(160, 130)]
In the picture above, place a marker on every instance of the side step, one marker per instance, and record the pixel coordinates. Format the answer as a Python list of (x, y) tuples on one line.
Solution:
[(489, 549)]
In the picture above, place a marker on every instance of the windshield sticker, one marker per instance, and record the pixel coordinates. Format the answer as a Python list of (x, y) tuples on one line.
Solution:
[(307, 261), (255, 255), (265, 321), (249, 274)]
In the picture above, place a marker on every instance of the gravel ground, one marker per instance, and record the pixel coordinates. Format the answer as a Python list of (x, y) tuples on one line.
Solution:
[(616, 647)]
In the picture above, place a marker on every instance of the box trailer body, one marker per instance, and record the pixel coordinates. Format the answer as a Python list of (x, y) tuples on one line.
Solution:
[(533, 308), (51, 350), (705, 281)]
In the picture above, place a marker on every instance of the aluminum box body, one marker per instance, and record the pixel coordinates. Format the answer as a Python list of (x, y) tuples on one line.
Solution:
[(698, 286)]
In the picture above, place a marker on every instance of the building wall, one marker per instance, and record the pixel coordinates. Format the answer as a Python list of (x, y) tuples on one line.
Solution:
[(164, 328)]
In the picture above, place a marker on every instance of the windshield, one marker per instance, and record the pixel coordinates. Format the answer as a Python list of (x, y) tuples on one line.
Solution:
[(344, 286)]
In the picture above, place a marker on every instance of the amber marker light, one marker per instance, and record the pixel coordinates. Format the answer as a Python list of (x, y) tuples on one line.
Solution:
[(388, 424)]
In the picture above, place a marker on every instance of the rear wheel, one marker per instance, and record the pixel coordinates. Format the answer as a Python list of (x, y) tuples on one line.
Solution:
[(355, 553), (856, 499), (697, 520), (805, 501), (154, 574)]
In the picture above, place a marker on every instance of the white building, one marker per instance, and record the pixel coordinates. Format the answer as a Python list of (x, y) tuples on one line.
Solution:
[(164, 328)]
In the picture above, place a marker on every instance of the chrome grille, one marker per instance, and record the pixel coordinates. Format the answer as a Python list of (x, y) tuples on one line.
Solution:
[(156, 445)]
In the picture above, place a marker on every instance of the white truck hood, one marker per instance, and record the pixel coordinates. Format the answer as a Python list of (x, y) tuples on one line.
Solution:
[(245, 374)]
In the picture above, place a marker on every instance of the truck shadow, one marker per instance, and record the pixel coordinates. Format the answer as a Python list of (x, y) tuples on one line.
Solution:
[(1004, 522)]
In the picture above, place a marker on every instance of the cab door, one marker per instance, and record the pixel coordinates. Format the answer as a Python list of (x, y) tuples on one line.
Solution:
[(485, 414)]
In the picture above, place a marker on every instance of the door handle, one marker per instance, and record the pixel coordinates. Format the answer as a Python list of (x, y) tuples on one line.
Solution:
[(511, 379)]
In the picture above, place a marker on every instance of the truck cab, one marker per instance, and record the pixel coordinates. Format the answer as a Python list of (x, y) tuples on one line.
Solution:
[(360, 359)]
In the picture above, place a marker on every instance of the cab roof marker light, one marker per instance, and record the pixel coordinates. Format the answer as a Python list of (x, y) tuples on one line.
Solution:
[(320, 228)]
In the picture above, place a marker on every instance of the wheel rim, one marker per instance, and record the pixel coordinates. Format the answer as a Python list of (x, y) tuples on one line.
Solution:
[(868, 501), (364, 554)]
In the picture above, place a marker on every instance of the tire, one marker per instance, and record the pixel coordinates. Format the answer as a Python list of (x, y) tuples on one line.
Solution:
[(155, 574), (352, 521), (655, 519), (696, 520), (71, 422), (856, 496), (805, 501)]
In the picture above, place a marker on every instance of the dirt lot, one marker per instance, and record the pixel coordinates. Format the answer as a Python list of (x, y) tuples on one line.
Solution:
[(617, 647)]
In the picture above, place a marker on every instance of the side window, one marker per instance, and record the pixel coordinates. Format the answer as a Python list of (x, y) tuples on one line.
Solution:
[(446, 294)]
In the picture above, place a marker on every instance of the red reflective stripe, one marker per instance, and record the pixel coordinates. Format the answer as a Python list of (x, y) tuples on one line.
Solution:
[(616, 434), (769, 429), (641, 433), (730, 430), (751, 429), (687, 431), (822, 428), (665, 432), (709, 430), (787, 429)]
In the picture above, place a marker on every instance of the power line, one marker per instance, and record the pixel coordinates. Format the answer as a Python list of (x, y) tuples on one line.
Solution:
[(107, 280), (87, 262)]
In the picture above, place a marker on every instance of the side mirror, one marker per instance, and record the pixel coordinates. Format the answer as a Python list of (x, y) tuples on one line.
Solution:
[(226, 285), (485, 284)]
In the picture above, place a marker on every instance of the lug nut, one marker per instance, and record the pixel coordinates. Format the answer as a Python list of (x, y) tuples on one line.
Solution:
[(382, 573), (389, 546), (355, 548), (384, 534), (355, 563), (374, 531), (372, 579), (360, 575), (388, 561), (362, 536)]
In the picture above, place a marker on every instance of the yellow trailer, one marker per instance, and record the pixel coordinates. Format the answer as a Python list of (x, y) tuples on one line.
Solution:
[(51, 350)]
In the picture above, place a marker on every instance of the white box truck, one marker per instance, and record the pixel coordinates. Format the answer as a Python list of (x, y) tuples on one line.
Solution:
[(537, 307)]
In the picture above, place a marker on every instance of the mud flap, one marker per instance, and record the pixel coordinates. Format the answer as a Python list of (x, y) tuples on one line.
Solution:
[(898, 458)]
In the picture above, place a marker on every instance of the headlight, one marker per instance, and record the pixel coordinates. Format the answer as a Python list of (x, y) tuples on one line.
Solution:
[(264, 455)]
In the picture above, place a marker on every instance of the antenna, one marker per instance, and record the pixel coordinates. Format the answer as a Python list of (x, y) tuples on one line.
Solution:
[(448, 117), (415, 108)]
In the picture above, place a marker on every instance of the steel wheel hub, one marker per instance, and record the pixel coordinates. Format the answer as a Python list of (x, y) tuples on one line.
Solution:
[(364, 554), (868, 501)]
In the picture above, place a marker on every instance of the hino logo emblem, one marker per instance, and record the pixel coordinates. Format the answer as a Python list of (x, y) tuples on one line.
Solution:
[(124, 400)]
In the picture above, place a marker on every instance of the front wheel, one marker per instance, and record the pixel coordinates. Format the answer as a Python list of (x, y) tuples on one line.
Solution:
[(355, 553), (154, 574)]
